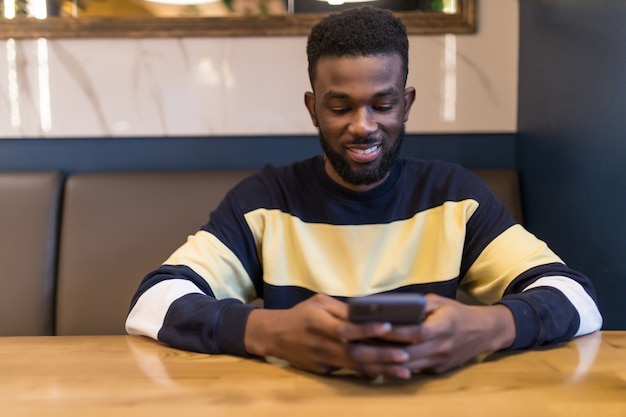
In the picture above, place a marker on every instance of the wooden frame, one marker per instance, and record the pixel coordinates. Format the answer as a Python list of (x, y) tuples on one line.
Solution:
[(417, 23)]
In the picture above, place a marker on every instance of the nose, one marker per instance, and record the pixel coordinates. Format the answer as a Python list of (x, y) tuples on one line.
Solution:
[(363, 123)]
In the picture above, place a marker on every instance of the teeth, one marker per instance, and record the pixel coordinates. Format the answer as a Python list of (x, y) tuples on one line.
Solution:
[(366, 151)]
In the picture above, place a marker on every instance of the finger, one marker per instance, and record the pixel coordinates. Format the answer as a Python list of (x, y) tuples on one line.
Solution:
[(361, 353), (409, 335), (354, 332), (431, 365), (415, 334), (432, 356), (364, 358), (434, 302), (337, 308), (324, 316), (335, 323), (394, 371), (330, 352)]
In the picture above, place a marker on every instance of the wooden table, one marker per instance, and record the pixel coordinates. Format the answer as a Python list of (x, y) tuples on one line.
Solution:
[(132, 376)]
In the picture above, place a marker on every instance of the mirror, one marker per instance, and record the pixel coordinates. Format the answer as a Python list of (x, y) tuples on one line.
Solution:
[(418, 22)]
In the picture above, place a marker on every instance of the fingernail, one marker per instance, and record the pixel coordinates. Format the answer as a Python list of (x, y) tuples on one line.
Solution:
[(402, 355), (386, 327), (404, 374)]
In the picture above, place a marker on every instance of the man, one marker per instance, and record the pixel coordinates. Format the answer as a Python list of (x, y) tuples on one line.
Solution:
[(359, 221)]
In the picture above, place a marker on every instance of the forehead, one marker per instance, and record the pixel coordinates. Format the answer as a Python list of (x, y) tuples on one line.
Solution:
[(359, 73)]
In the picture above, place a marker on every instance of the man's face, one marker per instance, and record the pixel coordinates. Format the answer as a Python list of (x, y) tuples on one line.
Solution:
[(360, 106)]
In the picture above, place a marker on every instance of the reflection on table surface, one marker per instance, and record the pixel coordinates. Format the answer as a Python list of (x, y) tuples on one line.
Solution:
[(125, 375)]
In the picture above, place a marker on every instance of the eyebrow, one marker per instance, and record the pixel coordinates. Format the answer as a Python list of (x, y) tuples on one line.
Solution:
[(332, 94)]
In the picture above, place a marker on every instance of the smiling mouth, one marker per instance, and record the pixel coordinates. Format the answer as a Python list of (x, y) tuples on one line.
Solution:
[(366, 151)]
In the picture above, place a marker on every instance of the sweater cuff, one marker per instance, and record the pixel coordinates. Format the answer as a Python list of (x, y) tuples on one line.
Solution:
[(232, 327), (526, 323)]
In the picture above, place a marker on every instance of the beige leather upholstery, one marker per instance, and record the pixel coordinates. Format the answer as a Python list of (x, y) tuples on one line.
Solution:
[(505, 185), (116, 228), (29, 209)]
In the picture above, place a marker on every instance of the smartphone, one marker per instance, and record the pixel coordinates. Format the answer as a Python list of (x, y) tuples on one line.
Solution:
[(395, 308)]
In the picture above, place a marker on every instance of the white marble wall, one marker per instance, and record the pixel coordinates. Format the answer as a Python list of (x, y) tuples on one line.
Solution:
[(241, 86)]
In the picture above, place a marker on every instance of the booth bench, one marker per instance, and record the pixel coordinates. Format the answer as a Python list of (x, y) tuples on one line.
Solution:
[(73, 248)]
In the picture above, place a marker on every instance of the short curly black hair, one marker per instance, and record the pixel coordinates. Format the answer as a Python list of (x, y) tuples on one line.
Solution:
[(360, 31)]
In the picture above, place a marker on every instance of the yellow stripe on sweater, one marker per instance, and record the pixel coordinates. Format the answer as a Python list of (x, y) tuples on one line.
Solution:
[(216, 264), (507, 256), (353, 260)]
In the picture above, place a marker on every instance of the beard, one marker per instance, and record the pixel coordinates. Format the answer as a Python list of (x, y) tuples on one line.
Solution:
[(365, 174)]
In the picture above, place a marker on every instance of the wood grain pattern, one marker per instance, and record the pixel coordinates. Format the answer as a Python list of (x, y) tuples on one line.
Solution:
[(464, 21), (124, 375)]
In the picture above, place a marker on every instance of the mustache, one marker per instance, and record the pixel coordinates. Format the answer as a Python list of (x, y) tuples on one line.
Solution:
[(368, 140)]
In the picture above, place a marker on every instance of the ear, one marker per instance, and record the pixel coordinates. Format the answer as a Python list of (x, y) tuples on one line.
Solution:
[(409, 99), (309, 102)]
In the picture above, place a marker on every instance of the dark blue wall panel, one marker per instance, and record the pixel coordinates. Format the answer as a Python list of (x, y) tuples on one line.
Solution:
[(572, 137), (132, 154)]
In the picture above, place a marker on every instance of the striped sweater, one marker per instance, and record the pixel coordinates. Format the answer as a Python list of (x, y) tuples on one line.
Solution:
[(286, 233)]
